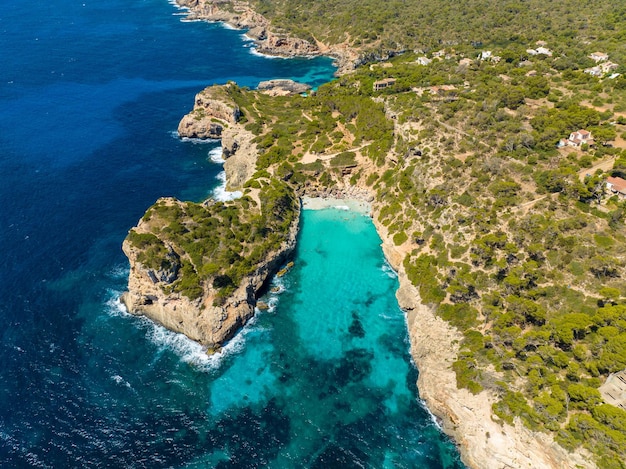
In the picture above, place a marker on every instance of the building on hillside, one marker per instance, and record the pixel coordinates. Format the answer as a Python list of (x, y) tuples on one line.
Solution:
[(613, 390), (423, 60), (602, 69), (608, 67), (594, 71), (599, 57), (466, 61), (616, 185), (576, 139), (539, 51), (385, 83)]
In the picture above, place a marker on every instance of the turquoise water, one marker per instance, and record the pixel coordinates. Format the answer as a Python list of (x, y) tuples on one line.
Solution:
[(329, 362)]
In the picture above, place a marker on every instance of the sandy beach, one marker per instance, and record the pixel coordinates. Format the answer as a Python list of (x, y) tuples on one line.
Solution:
[(320, 203)]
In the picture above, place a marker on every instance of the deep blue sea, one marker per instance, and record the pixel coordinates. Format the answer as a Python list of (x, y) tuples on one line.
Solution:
[(90, 97)]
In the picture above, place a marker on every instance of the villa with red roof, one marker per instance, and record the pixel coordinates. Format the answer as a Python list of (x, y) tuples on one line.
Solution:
[(578, 138), (616, 185)]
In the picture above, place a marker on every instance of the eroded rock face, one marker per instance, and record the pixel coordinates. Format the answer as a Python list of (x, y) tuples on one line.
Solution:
[(150, 294), (241, 16), (212, 113), (282, 87)]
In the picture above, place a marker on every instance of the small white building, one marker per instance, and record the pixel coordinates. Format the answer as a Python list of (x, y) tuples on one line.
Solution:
[(616, 185), (599, 57), (613, 390), (423, 60), (608, 67), (576, 139)]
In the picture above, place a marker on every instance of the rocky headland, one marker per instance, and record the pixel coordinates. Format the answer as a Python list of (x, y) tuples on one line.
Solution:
[(209, 293), (152, 291)]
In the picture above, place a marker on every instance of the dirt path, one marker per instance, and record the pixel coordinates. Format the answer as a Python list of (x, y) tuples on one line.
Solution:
[(604, 165)]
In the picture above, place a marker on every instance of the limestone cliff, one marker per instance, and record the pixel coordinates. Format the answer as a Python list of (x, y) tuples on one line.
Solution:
[(215, 115), (212, 113), (188, 276), (483, 441), (240, 15)]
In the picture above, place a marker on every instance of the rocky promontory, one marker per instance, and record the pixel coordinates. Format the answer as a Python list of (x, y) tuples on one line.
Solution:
[(215, 115), (198, 269), (212, 113), (282, 87)]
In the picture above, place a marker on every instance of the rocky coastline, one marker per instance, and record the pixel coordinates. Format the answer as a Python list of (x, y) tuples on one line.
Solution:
[(467, 418), (239, 15), (201, 319)]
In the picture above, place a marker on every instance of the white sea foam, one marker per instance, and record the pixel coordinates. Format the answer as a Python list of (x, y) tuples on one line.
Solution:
[(115, 307), (254, 51), (341, 207), (121, 381), (186, 349), (221, 194), (198, 141), (388, 270), (119, 271), (215, 155), (432, 416)]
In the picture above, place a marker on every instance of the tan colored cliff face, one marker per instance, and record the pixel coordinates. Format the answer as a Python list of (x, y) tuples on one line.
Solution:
[(212, 114), (484, 443), (148, 294)]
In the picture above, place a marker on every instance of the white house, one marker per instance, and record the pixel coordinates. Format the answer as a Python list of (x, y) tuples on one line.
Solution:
[(608, 67), (599, 57), (576, 139), (616, 185)]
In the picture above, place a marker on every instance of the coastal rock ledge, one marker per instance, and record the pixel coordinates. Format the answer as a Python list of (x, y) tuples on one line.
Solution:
[(162, 266)]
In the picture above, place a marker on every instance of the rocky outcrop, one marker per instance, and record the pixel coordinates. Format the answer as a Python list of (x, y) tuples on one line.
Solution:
[(215, 115), (150, 293), (282, 87), (240, 153), (212, 112), (239, 15)]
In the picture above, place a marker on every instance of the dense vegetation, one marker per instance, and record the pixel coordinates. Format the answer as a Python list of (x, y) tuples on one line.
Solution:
[(391, 26), (216, 244)]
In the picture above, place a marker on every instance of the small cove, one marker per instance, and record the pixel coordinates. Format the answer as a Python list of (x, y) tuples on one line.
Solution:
[(326, 371)]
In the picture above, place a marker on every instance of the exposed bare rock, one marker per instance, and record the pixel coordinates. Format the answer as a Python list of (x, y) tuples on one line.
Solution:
[(240, 15), (213, 107), (282, 87), (484, 443), (149, 294), (240, 153), (212, 113)]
